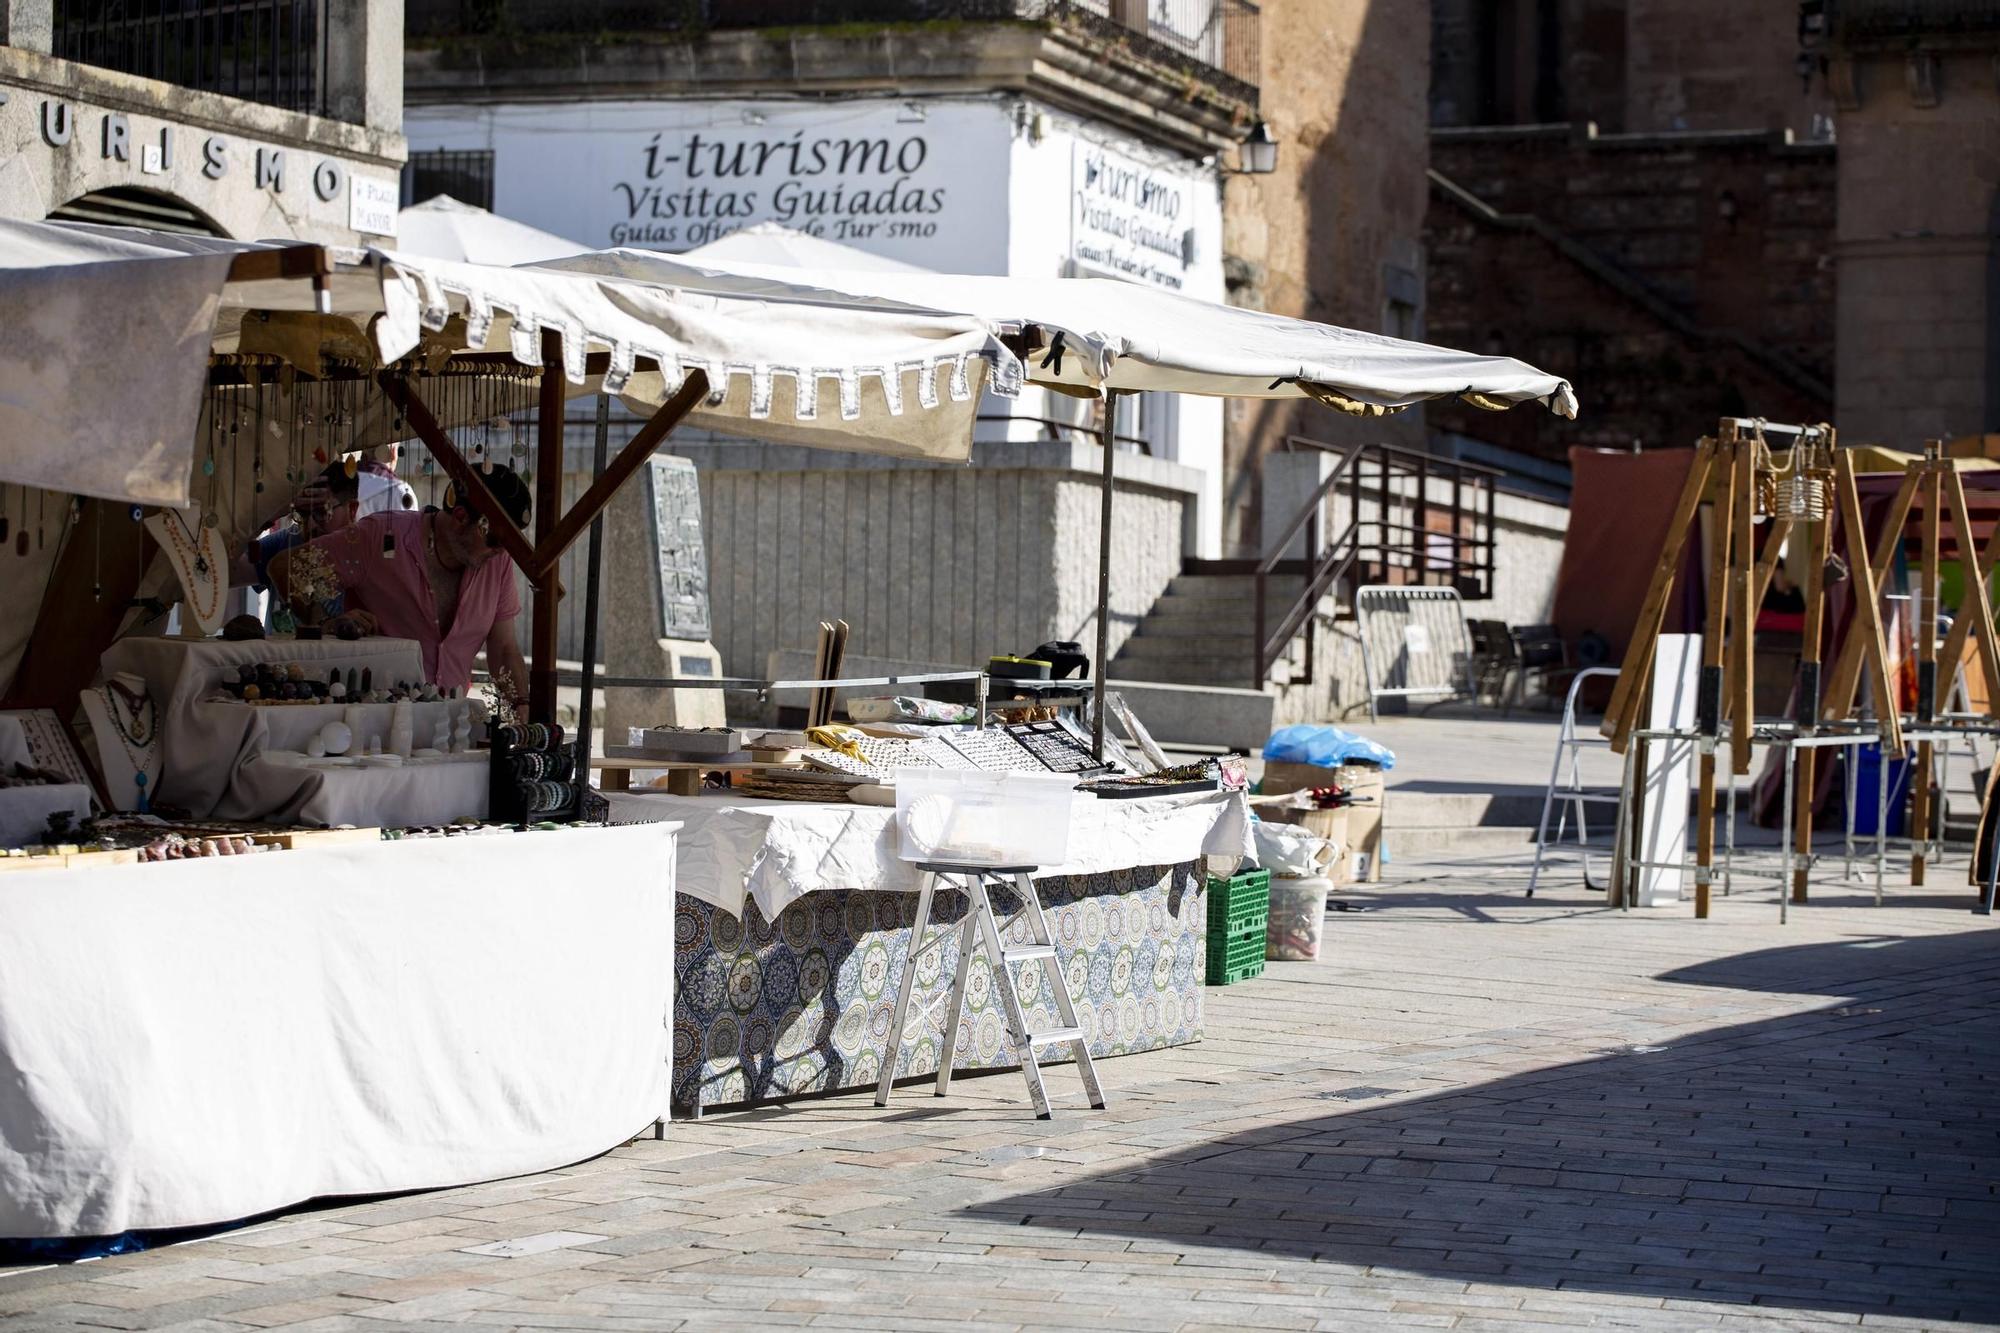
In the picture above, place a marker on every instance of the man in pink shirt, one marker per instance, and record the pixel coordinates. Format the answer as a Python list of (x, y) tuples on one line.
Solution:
[(437, 577)]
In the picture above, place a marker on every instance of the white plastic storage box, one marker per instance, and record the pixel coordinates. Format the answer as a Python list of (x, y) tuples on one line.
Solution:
[(988, 819)]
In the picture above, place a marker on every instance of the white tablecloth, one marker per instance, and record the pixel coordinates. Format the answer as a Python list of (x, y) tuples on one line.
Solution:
[(25, 811), (775, 852), (200, 1041), (292, 790), (205, 747)]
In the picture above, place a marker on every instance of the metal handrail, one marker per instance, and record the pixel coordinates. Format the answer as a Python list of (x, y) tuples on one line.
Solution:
[(1294, 442), (1398, 544)]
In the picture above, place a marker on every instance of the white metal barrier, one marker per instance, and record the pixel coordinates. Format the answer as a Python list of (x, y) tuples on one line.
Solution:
[(1414, 643)]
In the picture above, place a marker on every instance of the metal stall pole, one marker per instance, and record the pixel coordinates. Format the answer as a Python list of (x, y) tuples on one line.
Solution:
[(592, 581), (1618, 890), (1852, 772), (1785, 879), (1108, 437), (1881, 817), (1729, 831)]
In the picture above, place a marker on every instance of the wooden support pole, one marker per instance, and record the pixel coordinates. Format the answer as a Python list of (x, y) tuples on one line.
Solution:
[(465, 478), (1708, 695), (1846, 677), (1622, 713), (572, 524), (1806, 717), (1866, 627), (1767, 564), (1926, 639), (544, 625)]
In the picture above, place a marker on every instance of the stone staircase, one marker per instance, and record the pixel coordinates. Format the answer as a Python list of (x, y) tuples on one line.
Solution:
[(1201, 631)]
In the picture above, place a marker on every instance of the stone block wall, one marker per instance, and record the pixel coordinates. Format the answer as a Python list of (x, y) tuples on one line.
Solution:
[(1674, 278), (927, 563)]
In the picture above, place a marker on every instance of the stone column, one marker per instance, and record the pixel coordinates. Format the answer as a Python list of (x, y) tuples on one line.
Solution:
[(364, 62), (28, 24)]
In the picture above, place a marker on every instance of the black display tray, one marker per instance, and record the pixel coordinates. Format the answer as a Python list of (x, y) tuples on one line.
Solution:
[(1123, 791)]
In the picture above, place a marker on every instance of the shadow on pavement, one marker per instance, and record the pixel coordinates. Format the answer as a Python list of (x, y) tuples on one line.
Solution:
[(1844, 1159)]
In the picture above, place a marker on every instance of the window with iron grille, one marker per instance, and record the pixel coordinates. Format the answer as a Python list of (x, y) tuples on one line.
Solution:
[(268, 51), (464, 174)]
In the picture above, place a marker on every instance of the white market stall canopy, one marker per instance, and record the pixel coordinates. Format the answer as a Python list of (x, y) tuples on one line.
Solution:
[(106, 335), (105, 332), (444, 228), (1120, 336)]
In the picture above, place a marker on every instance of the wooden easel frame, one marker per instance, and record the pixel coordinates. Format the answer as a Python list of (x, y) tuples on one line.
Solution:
[(1725, 475)]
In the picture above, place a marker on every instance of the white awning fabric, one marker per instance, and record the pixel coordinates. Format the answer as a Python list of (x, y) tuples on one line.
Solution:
[(105, 335), (443, 228), (1124, 335)]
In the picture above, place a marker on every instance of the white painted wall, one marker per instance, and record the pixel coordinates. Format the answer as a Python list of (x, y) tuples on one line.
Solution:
[(970, 185), (925, 185), (1059, 228)]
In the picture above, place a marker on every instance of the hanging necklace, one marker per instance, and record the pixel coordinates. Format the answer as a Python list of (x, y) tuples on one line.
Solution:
[(188, 543), (139, 708), (138, 747)]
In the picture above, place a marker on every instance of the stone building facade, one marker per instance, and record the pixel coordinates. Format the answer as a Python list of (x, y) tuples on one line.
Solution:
[(1676, 277), (300, 140), (1643, 193), (1627, 66), (1336, 232), (1918, 111)]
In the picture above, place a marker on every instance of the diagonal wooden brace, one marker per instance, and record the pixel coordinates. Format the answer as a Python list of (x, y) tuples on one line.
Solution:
[(426, 428)]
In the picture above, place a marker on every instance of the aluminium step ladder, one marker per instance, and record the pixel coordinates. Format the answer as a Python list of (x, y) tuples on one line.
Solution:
[(979, 926)]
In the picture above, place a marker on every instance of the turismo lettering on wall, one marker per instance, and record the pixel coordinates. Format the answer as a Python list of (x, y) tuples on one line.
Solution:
[(688, 188), (164, 149), (1130, 219)]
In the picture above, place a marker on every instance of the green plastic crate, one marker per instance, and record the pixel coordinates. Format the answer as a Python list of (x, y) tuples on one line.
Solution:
[(1238, 903), (1235, 958)]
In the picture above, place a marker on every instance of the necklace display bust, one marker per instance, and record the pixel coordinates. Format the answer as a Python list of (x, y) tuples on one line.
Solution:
[(125, 724), (199, 561)]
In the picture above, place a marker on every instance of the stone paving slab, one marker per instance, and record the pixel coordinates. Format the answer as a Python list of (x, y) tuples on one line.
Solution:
[(1476, 1113)]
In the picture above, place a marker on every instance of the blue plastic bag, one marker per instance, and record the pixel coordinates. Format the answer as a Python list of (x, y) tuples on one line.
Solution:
[(1325, 747)]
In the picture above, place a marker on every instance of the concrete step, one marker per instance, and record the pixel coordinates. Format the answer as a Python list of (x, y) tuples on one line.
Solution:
[(1186, 670), (1190, 604), (1146, 645), (1519, 809), (1174, 624), (1408, 846), (1286, 586)]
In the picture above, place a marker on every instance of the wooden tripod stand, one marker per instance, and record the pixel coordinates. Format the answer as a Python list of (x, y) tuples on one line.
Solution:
[(1936, 479), (1735, 472)]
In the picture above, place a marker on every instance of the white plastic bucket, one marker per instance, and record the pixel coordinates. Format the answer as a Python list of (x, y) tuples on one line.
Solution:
[(1298, 918), (989, 819)]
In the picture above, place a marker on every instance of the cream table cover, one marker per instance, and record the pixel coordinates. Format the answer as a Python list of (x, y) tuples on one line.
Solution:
[(199, 1041), (207, 748), (775, 852)]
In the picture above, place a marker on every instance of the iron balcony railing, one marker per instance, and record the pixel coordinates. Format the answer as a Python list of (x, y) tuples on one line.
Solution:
[(1850, 21), (1189, 33), (1399, 529), (268, 51)]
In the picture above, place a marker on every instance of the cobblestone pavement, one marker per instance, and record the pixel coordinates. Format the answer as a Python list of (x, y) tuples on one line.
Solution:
[(1475, 1113)]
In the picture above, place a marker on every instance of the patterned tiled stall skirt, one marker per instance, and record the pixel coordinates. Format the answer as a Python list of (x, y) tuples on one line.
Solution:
[(765, 1010)]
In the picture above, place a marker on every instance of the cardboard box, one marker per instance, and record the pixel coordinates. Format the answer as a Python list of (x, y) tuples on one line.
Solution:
[(1363, 861)]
